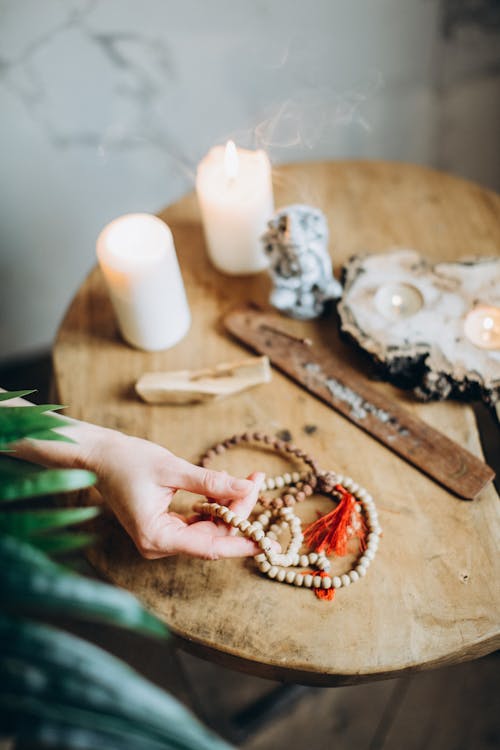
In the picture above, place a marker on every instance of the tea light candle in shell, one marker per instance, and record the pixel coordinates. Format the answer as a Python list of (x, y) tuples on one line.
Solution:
[(482, 326), (137, 256), (396, 300), (236, 201)]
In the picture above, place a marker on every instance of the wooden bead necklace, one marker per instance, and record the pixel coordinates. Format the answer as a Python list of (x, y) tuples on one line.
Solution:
[(354, 516)]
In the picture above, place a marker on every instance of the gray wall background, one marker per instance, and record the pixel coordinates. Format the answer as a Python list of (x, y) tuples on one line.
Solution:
[(106, 106)]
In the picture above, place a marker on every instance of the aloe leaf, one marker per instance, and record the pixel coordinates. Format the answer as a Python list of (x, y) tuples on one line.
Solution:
[(30, 581), (43, 482), (46, 664), (28, 522), (15, 394)]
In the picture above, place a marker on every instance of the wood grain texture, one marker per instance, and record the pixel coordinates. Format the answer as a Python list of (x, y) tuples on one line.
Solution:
[(432, 596)]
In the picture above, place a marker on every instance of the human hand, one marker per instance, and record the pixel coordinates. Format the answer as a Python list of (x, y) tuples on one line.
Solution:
[(138, 480)]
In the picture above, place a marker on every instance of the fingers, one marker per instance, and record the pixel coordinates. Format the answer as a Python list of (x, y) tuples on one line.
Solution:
[(202, 539), (191, 541), (244, 506), (216, 484)]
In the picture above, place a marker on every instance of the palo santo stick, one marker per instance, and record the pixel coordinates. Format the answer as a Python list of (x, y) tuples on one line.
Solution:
[(195, 386)]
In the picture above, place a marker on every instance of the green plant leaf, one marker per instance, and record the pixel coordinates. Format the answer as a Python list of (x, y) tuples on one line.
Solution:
[(61, 544), (35, 482), (47, 733), (25, 523), (14, 467), (81, 684), (51, 435), (31, 582), (15, 394), (18, 422), (43, 408)]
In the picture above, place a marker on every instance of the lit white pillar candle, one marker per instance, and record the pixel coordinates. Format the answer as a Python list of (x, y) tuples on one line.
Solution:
[(137, 256), (236, 200)]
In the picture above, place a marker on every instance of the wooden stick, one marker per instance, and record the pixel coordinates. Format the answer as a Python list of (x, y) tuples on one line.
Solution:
[(327, 376)]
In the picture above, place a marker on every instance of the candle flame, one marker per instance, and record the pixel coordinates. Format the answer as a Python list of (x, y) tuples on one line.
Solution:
[(397, 300), (488, 323), (231, 160)]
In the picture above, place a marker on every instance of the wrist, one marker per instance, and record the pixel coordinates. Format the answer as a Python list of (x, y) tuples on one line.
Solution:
[(93, 444)]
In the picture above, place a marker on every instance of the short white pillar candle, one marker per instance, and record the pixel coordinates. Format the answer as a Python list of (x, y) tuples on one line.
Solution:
[(137, 256), (235, 194)]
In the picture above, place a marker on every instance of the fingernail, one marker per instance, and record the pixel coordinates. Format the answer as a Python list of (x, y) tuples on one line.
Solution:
[(241, 485)]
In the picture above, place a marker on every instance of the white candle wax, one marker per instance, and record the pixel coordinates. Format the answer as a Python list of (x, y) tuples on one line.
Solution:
[(236, 200), (137, 256)]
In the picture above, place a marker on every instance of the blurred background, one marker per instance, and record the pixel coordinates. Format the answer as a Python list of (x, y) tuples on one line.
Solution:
[(108, 105)]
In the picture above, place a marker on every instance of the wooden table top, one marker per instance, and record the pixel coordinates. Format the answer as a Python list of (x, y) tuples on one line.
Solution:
[(432, 595)]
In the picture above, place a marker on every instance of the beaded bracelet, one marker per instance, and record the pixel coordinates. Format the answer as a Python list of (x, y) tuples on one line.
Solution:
[(330, 533)]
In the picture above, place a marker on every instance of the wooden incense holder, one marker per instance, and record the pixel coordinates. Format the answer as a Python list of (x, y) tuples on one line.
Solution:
[(324, 374)]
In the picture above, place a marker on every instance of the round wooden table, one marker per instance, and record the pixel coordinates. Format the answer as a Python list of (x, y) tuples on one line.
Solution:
[(432, 595)]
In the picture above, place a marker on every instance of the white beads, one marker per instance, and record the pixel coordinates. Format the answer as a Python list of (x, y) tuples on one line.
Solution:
[(282, 480), (272, 522)]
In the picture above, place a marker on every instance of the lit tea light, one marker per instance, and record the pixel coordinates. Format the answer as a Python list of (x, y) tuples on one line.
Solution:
[(482, 326), (395, 301), (235, 194)]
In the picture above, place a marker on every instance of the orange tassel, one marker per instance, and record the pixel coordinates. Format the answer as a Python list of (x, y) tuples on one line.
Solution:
[(325, 594), (332, 532)]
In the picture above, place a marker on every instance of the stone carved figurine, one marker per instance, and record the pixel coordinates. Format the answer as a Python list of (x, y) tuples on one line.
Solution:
[(296, 243)]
